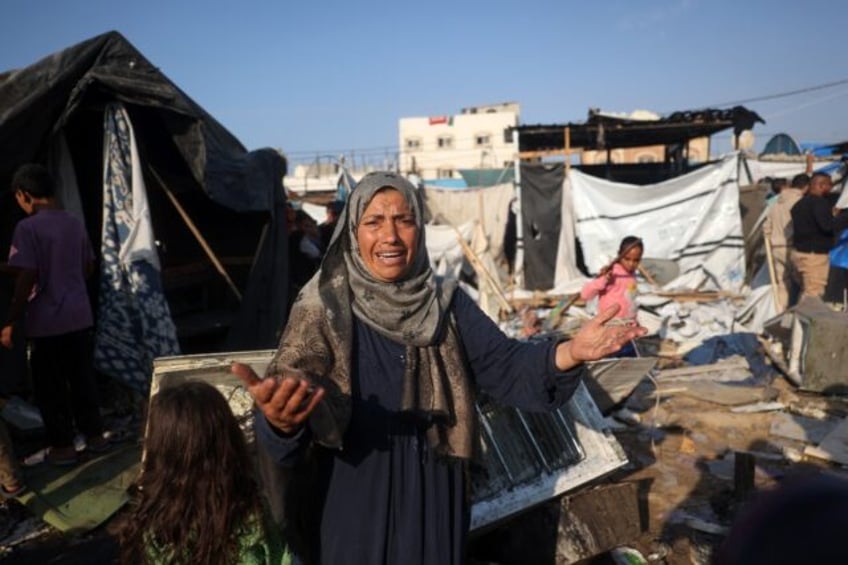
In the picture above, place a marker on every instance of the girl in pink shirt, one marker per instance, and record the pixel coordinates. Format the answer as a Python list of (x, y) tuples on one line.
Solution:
[(616, 283)]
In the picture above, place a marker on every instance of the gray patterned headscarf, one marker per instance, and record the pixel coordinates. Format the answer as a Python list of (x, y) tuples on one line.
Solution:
[(413, 311)]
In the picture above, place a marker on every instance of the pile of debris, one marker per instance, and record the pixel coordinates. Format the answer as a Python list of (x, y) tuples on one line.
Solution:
[(706, 426)]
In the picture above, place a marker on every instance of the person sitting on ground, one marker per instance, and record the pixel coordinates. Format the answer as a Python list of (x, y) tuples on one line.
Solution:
[(196, 499), (777, 227), (53, 255)]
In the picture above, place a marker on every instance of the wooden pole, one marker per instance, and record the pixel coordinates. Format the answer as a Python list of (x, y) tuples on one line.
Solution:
[(772, 274), (744, 469), (478, 265), (567, 150), (198, 236)]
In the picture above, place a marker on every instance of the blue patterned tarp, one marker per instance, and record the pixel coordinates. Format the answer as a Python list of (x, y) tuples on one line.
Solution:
[(134, 323)]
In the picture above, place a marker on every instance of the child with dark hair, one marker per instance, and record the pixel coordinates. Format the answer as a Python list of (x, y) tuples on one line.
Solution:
[(616, 283), (197, 500), (53, 258)]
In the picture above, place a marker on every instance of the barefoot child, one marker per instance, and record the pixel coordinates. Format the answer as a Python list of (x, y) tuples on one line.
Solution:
[(197, 500)]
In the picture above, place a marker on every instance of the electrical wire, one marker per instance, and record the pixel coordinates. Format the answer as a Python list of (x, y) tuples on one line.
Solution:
[(781, 94)]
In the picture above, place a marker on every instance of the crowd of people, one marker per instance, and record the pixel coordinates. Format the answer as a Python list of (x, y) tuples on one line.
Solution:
[(801, 228)]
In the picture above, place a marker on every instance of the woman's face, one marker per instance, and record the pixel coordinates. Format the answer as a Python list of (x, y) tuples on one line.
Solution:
[(387, 235)]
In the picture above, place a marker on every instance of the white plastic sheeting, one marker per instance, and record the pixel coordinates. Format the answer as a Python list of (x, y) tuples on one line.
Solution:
[(443, 247), (693, 219), (489, 206)]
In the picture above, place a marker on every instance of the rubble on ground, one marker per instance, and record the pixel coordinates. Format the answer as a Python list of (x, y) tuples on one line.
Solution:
[(705, 423)]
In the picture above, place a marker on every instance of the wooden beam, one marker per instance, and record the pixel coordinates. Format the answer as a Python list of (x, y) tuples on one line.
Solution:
[(543, 153), (197, 235)]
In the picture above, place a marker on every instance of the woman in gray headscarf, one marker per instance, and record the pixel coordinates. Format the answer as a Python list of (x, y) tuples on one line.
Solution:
[(382, 360)]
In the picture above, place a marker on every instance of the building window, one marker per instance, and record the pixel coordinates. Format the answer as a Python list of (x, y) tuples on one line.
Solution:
[(445, 142), (412, 143), (444, 173), (482, 140)]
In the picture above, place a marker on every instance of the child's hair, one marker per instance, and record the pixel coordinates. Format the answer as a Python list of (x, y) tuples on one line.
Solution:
[(196, 486), (628, 243), (33, 179)]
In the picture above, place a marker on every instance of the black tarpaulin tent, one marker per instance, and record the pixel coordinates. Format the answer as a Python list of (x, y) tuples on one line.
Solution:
[(216, 208)]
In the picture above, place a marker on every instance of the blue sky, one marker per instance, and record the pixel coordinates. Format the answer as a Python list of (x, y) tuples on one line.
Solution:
[(325, 76)]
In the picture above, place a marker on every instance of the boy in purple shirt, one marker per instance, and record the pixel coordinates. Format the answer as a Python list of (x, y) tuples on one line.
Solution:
[(51, 250)]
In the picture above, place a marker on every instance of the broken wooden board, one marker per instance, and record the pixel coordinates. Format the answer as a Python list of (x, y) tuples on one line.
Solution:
[(758, 407), (595, 521), (834, 447), (696, 295), (734, 368), (726, 395), (801, 428), (613, 380)]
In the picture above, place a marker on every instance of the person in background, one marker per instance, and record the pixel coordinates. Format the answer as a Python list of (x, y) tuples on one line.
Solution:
[(196, 499), (777, 185), (777, 227), (384, 360), (813, 235), (616, 283), (334, 209), (53, 255), (304, 250)]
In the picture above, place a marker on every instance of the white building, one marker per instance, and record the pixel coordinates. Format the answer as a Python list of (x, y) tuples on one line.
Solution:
[(436, 147)]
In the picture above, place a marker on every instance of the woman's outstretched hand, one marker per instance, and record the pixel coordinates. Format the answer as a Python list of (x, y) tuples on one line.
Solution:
[(286, 402), (596, 340)]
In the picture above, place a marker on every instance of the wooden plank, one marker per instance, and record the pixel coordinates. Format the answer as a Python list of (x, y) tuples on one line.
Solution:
[(727, 395), (801, 428), (744, 466), (595, 521), (834, 447)]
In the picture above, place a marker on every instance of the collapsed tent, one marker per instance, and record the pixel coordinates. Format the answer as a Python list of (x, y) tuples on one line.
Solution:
[(216, 221)]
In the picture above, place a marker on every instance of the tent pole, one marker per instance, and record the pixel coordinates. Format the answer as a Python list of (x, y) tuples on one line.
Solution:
[(197, 235), (518, 268), (772, 274), (481, 269)]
